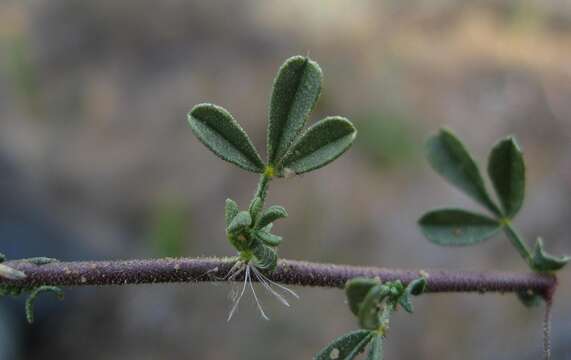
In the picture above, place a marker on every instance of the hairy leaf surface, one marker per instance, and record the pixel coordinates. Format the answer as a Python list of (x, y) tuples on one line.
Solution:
[(217, 129), (457, 227), (507, 172), (449, 158), (356, 289), (270, 215), (295, 92), (346, 347), (322, 143)]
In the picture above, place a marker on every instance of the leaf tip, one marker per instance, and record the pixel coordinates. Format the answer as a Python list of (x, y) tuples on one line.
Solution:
[(196, 109), (513, 140), (445, 131)]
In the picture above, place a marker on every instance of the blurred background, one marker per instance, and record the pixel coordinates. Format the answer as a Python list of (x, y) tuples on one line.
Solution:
[(97, 161)]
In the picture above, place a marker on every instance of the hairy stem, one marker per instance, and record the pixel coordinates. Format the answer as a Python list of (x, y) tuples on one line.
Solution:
[(263, 184), (547, 329), (291, 272)]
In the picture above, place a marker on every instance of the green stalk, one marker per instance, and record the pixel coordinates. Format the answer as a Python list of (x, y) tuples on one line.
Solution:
[(263, 184), (518, 242)]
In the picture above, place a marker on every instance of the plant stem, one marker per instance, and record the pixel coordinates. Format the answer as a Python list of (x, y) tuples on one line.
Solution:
[(262, 190), (174, 270), (547, 330), (518, 242)]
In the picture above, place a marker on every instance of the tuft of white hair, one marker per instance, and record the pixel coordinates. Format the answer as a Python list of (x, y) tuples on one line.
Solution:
[(236, 295)]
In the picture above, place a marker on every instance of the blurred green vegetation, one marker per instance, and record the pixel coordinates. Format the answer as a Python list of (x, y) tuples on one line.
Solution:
[(388, 139), (169, 229), (22, 71)]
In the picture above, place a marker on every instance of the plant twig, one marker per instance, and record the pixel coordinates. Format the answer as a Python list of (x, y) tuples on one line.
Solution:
[(291, 272)]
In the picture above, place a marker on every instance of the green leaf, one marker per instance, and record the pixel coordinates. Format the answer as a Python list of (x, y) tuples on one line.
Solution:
[(255, 208), (240, 222), (417, 286), (449, 158), (270, 215), (507, 172), (356, 289), (369, 309), (295, 92), (230, 211), (456, 227), (414, 288), (346, 347), (265, 257), (529, 298), (541, 261), (217, 129), (322, 143), (406, 303), (268, 238), (376, 349)]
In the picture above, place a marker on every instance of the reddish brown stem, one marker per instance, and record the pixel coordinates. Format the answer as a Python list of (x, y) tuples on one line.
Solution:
[(291, 272)]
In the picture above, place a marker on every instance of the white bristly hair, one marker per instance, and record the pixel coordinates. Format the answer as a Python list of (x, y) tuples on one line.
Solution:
[(236, 294)]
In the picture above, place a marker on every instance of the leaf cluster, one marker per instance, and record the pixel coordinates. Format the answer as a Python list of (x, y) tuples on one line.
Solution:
[(250, 232), (373, 303), (291, 150)]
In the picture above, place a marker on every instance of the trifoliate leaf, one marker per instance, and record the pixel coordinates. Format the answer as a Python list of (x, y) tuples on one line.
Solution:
[(295, 92), (541, 261), (217, 129), (265, 257), (369, 309), (270, 215), (376, 349), (456, 227), (506, 168), (240, 222), (346, 347), (230, 211), (268, 238), (356, 289), (11, 274), (449, 158), (322, 143)]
